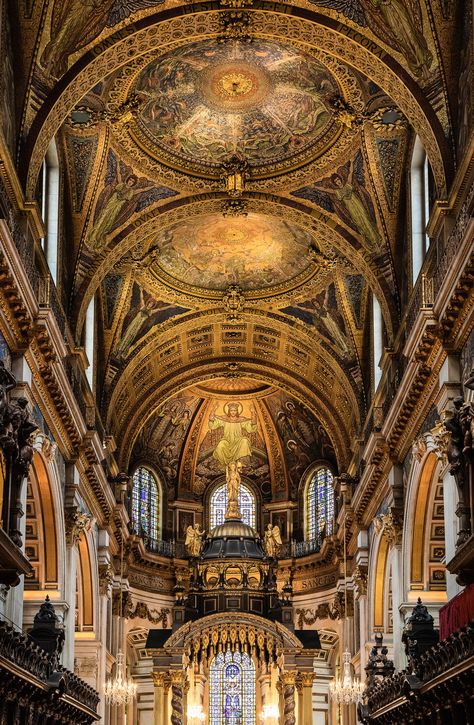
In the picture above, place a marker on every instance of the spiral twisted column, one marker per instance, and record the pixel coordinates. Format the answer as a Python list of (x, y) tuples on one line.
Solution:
[(177, 696), (288, 680)]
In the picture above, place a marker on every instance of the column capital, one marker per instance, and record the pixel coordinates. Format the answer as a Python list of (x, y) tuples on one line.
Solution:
[(161, 679), (76, 523), (359, 577), (289, 677), (307, 678), (178, 677), (106, 578)]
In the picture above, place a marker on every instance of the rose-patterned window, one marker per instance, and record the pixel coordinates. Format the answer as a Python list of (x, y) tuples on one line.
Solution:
[(146, 503), (319, 503)]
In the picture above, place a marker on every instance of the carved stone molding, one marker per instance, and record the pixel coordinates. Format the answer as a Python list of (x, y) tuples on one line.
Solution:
[(106, 578), (359, 577), (390, 525), (327, 610), (76, 523)]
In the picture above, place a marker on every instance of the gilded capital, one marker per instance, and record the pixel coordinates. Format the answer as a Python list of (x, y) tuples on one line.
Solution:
[(289, 677), (307, 679), (161, 679)]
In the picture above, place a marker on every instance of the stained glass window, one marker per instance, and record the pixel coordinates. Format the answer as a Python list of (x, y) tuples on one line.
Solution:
[(319, 504), (232, 688), (219, 505), (146, 504)]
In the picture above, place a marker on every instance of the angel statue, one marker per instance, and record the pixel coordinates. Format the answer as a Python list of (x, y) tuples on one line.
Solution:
[(272, 541), (194, 540)]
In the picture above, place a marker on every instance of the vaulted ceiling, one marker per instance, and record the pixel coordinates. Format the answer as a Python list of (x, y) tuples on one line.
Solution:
[(313, 108)]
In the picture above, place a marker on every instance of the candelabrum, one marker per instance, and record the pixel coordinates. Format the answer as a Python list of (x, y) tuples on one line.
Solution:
[(119, 690), (346, 689)]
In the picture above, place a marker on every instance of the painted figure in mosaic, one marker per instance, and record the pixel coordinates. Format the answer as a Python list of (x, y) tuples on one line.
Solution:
[(400, 24), (124, 194), (234, 445), (75, 24), (354, 201)]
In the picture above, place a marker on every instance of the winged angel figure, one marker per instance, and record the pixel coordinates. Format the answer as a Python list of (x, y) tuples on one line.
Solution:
[(272, 541), (398, 23), (75, 24), (344, 193), (124, 194)]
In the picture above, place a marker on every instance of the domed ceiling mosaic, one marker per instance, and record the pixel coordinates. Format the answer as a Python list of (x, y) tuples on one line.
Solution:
[(214, 252), (264, 101), (200, 285)]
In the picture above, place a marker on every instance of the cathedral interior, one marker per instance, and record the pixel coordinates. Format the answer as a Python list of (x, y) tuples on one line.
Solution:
[(236, 362)]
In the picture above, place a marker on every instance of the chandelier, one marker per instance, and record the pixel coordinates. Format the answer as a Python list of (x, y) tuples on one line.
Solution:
[(120, 690), (345, 689)]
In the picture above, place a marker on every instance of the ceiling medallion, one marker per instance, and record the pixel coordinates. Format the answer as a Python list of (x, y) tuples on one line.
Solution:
[(236, 86)]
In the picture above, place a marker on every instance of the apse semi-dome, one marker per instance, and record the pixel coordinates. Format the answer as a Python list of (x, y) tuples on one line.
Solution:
[(264, 101)]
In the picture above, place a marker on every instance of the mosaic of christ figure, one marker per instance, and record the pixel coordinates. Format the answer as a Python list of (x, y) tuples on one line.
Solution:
[(234, 445)]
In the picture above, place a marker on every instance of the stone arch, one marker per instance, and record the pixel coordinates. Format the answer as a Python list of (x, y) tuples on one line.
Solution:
[(178, 24)]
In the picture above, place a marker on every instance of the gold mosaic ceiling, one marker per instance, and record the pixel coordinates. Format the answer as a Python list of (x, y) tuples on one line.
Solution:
[(306, 113)]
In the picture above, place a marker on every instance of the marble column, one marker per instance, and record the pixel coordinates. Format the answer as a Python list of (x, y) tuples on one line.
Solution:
[(161, 683), (178, 681), (288, 680), (106, 577), (306, 716)]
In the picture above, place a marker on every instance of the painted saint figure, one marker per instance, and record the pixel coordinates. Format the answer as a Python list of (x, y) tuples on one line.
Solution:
[(234, 445)]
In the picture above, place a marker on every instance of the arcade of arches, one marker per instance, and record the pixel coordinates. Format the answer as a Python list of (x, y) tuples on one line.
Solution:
[(237, 361)]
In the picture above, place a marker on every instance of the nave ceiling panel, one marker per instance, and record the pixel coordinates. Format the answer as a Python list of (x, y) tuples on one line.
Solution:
[(254, 347)]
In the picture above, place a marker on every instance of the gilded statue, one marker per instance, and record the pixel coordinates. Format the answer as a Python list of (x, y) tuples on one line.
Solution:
[(272, 541), (194, 540), (233, 490)]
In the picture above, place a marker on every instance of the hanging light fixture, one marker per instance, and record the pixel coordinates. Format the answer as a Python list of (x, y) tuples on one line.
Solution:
[(120, 690), (345, 689)]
